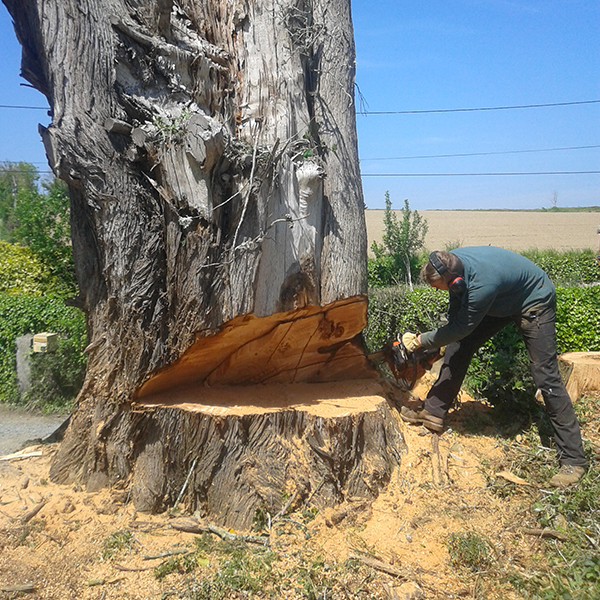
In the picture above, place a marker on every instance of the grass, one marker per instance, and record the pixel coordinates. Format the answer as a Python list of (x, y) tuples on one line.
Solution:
[(470, 550), (555, 570), (220, 570), (117, 543)]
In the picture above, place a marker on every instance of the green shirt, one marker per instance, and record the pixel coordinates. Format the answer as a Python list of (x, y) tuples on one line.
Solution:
[(499, 283)]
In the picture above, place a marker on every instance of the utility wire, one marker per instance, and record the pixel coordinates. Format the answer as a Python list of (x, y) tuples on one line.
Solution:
[(408, 112), (25, 107), (481, 153), (452, 110), (479, 174)]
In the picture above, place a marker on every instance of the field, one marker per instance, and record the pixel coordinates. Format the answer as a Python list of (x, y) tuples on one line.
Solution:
[(514, 230)]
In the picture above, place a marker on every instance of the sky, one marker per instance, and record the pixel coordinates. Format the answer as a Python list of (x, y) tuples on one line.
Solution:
[(440, 56)]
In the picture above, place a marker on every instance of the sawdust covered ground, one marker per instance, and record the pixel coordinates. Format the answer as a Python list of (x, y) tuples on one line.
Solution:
[(59, 550)]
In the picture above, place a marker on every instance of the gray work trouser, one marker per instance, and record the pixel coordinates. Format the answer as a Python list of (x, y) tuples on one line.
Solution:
[(539, 333)]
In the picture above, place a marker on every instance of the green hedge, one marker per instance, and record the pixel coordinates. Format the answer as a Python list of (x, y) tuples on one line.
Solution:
[(56, 377), (567, 268)]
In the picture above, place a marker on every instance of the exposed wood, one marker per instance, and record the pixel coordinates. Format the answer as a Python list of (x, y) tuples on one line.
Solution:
[(581, 372), (310, 344), (21, 455)]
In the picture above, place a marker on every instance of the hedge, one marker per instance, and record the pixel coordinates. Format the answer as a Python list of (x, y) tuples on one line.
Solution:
[(56, 377)]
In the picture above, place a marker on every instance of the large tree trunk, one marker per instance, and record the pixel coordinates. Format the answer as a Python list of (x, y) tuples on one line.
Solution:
[(211, 155)]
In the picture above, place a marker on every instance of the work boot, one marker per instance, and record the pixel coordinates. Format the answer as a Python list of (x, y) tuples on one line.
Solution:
[(422, 417), (567, 475)]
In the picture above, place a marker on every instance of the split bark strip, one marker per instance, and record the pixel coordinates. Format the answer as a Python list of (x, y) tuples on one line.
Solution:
[(187, 480), (21, 455), (26, 587), (378, 565), (34, 511), (286, 507), (546, 533), (438, 477)]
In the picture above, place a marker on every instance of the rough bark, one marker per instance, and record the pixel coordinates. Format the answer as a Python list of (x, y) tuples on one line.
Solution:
[(211, 155), (581, 372)]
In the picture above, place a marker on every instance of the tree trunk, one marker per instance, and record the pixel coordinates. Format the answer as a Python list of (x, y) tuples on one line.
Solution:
[(219, 239), (581, 372)]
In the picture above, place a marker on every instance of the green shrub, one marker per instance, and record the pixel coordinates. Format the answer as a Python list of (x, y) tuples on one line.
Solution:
[(398, 309), (567, 268), (21, 272), (56, 377)]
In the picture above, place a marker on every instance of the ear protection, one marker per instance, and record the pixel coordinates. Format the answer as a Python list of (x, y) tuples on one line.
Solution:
[(456, 284)]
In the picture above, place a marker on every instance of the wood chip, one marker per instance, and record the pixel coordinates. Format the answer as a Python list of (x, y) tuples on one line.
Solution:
[(512, 478)]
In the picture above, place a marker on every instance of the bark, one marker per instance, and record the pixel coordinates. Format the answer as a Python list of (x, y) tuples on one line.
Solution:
[(211, 155)]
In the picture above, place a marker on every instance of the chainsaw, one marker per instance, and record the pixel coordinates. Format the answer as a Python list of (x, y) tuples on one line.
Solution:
[(407, 367)]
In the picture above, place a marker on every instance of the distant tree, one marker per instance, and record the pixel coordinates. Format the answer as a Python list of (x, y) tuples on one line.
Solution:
[(38, 219), (18, 182), (401, 242)]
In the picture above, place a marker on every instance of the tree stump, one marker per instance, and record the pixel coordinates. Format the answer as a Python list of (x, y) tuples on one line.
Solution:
[(580, 372), (247, 448)]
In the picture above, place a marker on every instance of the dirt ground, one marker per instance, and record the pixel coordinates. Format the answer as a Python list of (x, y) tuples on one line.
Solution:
[(514, 230), (58, 550)]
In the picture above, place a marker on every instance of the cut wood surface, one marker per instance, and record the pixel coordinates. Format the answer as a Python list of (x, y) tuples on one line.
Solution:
[(581, 372), (309, 344)]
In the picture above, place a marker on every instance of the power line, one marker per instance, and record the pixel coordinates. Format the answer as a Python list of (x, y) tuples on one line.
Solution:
[(25, 107), (405, 112), (481, 153), (479, 174), (452, 110)]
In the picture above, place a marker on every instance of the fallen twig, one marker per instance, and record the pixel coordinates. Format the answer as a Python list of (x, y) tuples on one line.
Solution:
[(165, 554), (378, 565), (192, 526), (133, 569), (546, 533), (34, 511), (103, 581), (235, 537)]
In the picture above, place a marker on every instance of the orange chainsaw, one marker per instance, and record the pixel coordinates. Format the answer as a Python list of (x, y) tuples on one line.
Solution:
[(407, 367)]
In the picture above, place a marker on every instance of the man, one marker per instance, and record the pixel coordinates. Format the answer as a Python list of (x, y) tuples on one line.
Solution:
[(488, 289)]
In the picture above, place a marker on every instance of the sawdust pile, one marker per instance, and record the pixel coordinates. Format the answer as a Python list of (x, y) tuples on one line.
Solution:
[(52, 537)]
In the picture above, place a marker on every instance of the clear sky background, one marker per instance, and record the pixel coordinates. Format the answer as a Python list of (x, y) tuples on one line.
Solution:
[(437, 55)]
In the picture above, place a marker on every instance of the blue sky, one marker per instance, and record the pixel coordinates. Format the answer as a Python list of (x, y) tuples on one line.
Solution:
[(432, 55)]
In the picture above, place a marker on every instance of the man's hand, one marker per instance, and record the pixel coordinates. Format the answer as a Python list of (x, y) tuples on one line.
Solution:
[(411, 341)]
